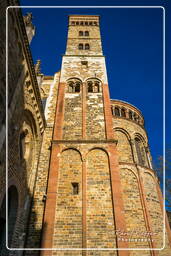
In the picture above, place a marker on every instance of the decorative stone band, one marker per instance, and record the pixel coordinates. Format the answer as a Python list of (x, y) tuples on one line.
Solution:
[(84, 141)]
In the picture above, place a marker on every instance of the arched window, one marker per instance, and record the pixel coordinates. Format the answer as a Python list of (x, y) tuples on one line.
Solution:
[(123, 113), (140, 151), (77, 23), (90, 87), (87, 47), (80, 46), (77, 87), (86, 23), (96, 87), (86, 33), (130, 115), (80, 33), (135, 117), (117, 112), (93, 85), (73, 22), (70, 86), (74, 85), (81, 23)]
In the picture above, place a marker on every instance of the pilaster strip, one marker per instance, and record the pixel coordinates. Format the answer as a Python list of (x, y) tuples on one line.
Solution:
[(84, 111), (50, 207), (118, 207), (84, 206), (59, 112), (146, 214), (107, 112)]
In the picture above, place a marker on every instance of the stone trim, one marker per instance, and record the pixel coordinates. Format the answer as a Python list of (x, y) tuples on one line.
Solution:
[(109, 141), (30, 62)]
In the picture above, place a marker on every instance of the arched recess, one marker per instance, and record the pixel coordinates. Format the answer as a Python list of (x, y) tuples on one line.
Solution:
[(13, 202), (140, 150), (123, 145), (72, 125), (100, 219), (155, 211), (133, 209), (94, 85), (28, 145), (69, 201), (74, 85), (95, 120)]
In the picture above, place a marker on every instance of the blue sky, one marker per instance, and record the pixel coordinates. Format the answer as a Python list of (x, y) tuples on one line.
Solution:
[(132, 42)]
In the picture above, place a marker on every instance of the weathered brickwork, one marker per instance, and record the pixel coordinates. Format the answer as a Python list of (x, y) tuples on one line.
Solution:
[(123, 147), (25, 127), (156, 214), (93, 37), (75, 180), (36, 215), (72, 116), (68, 220), (95, 116), (133, 209), (100, 221)]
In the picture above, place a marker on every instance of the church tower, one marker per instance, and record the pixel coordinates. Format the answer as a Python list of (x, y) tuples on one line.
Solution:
[(100, 190), (81, 188)]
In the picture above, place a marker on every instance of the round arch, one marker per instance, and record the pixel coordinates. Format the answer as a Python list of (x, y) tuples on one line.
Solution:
[(72, 148), (123, 131), (99, 148)]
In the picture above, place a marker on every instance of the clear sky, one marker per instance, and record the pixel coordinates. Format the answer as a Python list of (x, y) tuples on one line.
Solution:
[(132, 42)]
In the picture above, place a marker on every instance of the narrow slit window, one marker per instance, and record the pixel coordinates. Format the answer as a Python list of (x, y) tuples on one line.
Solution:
[(75, 188)]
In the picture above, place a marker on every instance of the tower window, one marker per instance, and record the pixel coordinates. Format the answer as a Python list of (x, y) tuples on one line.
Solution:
[(74, 85), (90, 87), (80, 33), (140, 151), (86, 33), (75, 188), (77, 87), (87, 47), (80, 46), (93, 85), (130, 115), (123, 114), (117, 112)]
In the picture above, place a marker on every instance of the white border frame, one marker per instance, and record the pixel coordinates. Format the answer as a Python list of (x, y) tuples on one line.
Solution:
[(86, 249)]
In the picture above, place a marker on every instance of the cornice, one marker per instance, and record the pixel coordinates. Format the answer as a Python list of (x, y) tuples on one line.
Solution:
[(30, 63)]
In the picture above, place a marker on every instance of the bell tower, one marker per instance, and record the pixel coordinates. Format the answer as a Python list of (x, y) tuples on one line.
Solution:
[(95, 193), (81, 196)]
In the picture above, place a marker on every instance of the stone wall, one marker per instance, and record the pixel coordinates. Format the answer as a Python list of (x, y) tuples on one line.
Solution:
[(38, 203), (100, 219)]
